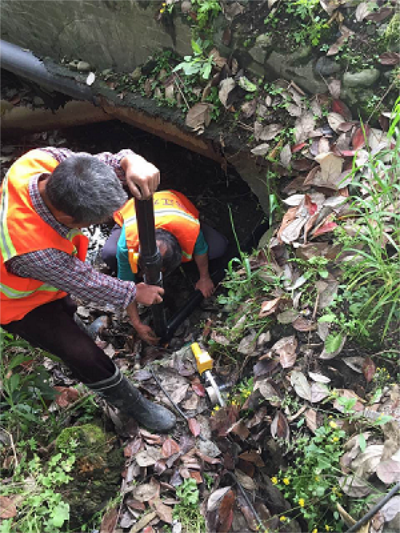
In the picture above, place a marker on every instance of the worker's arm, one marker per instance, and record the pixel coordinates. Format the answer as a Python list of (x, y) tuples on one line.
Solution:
[(131, 168), (144, 332), (205, 284), (78, 278)]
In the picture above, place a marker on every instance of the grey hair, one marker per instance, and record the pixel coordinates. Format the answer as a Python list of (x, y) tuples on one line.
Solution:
[(86, 189), (173, 252)]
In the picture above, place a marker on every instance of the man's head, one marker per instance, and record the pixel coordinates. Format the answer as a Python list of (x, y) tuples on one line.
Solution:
[(170, 250), (85, 191)]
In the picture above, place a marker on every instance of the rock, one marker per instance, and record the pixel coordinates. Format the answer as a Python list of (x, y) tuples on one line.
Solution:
[(38, 101), (73, 64), (264, 40), (106, 72), (83, 66), (326, 67), (296, 67), (364, 78), (186, 6), (258, 53), (136, 74)]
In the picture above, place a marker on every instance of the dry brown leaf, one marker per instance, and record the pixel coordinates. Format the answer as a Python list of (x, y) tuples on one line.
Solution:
[(252, 457), (304, 126), (335, 120), (300, 384), (148, 457), (246, 481), (389, 58), (270, 132), (7, 508), (286, 349), (389, 471), (163, 511), (225, 513), (334, 87), (215, 498), (363, 10), (194, 427), (226, 87), (311, 419), (391, 508), (268, 307), (261, 149), (319, 378), (319, 392), (249, 108), (146, 491), (286, 155), (354, 487), (199, 117), (280, 427), (239, 428), (170, 447)]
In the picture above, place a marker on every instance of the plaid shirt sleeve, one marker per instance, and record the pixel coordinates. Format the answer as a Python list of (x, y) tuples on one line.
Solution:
[(112, 160), (75, 277)]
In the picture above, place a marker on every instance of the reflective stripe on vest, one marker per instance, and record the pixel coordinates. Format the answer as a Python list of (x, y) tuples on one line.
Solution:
[(173, 212)]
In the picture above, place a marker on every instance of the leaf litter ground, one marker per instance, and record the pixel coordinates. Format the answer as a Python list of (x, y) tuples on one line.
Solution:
[(286, 383)]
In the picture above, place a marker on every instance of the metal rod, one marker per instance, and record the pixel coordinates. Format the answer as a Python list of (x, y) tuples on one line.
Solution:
[(150, 258)]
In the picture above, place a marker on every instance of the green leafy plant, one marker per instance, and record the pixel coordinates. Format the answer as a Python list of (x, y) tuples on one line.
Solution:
[(312, 479), (22, 400), (206, 12), (36, 486), (187, 511), (375, 249), (198, 64)]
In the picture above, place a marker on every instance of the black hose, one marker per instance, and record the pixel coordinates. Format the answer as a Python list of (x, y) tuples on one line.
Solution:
[(25, 64), (217, 276), (374, 509)]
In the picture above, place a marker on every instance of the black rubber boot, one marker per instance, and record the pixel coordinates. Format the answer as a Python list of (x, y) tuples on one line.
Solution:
[(119, 392)]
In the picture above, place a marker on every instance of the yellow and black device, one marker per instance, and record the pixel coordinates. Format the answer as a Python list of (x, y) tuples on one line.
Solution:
[(204, 364)]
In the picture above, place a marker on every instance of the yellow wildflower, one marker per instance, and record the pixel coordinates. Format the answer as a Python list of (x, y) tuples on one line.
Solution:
[(216, 408), (274, 480), (335, 439), (315, 530), (162, 10), (328, 528), (286, 481), (301, 502), (333, 424), (316, 478), (283, 518)]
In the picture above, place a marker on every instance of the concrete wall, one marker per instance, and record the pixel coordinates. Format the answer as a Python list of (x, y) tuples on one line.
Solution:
[(117, 34)]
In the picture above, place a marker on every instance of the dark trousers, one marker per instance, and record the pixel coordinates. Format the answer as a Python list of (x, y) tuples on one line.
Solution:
[(217, 245), (52, 328)]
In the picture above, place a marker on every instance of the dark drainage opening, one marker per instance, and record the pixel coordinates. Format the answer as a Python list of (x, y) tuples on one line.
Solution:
[(202, 180)]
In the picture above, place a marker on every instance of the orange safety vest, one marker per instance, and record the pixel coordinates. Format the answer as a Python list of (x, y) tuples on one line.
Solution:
[(173, 212), (22, 231)]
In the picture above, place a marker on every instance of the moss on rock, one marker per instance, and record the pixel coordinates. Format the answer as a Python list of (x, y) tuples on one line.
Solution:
[(392, 33)]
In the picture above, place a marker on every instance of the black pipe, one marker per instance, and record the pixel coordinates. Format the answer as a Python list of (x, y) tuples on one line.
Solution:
[(25, 64), (217, 276), (150, 259)]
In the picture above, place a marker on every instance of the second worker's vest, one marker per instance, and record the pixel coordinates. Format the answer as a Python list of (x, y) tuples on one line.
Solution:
[(173, 212)]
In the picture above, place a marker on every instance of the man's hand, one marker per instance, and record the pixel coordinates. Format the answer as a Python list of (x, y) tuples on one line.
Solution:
[(206, 286), (142, 177), (146, 333), (149, 294)]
